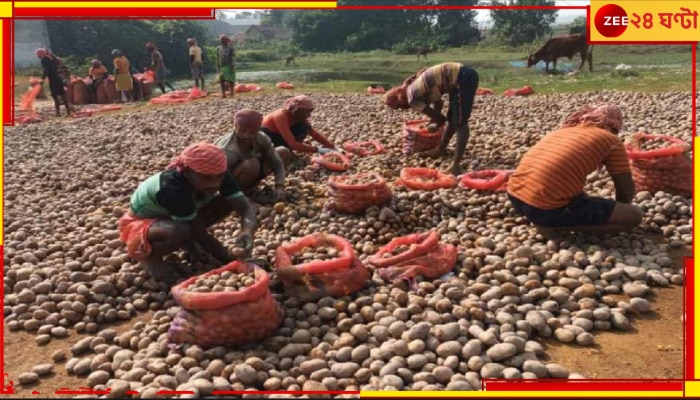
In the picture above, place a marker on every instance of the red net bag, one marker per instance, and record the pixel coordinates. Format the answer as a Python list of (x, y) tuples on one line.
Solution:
[(367, 148), (426, 179), (333, 161), (229, 318), (660, 163), (26, 102), (419, 254), (356, 193), (197, 93), (81, 92), (339, 276), (494, 180), (417, 137)]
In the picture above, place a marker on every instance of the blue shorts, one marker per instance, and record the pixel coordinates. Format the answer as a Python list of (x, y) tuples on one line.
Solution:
[(300, 131), (583, 210)]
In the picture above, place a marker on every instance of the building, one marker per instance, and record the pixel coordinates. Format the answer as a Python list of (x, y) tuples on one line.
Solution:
[(29, 36)]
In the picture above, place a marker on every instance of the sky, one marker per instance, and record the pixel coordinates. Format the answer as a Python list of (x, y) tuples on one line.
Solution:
[(564, 16)]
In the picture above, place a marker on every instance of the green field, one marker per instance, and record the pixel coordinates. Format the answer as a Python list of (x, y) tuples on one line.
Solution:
[(653, 68)]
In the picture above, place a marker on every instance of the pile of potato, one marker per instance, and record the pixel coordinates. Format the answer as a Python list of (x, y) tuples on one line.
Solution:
[(225, 282), (67, 274)]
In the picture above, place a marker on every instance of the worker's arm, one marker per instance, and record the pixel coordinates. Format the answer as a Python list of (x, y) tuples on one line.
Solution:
[(624, 187), (46, 66), (179, 204), (274, 160), (208, 242), (282, 123), (617, 165), (321, 139)]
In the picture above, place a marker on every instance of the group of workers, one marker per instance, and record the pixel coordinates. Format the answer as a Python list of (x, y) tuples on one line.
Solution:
[(58, 77), (208, 181), (172, 209)]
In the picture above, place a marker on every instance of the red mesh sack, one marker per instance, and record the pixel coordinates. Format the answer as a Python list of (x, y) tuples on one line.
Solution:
[(226, 318), (26, 102), (197, 93), (484, 91), (366, 148), (81, 92), (417, 137), (426, 179), (424, 256), (110, 88), (333, 161), (146, 89), (494, 180), (356, 193), (668, 168), (313, 280)]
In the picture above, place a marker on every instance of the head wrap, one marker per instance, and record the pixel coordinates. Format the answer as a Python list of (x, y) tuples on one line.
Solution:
[(41, 52), (395, 98), (299, 102), (96, 63), (248, 118), (224, 38), (191, 41), (150, 45), (203, 158), (604, 116), (116, 52)]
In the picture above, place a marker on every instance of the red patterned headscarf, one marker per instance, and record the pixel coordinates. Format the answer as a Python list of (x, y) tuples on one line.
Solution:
[(248, 118), (202, 158), (299, 102), (604, 116)]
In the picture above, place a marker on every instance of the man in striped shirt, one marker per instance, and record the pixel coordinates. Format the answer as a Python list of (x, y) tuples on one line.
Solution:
[(548, 185), (426, 88)]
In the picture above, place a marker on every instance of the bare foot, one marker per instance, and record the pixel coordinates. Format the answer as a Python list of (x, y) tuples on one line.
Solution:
[(160, 271), (456, 170), (435, 153)]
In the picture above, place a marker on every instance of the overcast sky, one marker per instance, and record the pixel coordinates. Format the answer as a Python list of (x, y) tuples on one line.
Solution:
[(564, 16)]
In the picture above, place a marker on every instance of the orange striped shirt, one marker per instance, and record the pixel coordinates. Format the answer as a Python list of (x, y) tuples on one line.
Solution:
[(554, 171)]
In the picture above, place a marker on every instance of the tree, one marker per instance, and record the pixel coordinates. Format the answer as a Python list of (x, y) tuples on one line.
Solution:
[(520, 26), (457, 27), (578, 25)]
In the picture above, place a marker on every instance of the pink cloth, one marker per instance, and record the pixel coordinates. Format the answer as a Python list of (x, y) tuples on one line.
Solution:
[(202, 158)]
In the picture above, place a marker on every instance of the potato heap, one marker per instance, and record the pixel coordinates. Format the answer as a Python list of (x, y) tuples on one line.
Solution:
[(67, 274), (225, 282)]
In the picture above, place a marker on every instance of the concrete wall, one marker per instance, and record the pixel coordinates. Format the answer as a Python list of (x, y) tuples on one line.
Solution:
[(29, 35)]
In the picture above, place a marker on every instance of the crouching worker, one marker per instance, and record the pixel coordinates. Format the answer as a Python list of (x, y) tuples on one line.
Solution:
[(173, 208), (548, 185), (289, 126), (423, 92), (251, 155)]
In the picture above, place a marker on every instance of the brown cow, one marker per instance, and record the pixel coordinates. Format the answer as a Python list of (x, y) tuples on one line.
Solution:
[(423, 51), (564, 46)]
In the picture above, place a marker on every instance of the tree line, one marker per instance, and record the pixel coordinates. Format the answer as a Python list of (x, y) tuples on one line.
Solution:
[(402, 31)]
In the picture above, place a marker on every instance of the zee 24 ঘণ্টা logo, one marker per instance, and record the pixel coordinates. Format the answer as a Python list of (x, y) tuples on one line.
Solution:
[(611, 20)]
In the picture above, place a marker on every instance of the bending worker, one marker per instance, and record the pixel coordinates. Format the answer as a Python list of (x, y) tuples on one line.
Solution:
[(548, 185)]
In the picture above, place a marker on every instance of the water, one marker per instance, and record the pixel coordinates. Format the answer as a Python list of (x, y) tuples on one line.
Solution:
[(561, 66)]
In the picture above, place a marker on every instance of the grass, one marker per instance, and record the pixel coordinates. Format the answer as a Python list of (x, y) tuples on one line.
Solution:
[(654, 68)]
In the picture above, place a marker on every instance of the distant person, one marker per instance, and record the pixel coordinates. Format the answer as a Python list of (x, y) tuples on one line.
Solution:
[(252, 156), (158, 67), (547, 187), (123, 80), (196, 63), (426, 88), (50, 67), (97, 74), (225, 57), (289, 126)]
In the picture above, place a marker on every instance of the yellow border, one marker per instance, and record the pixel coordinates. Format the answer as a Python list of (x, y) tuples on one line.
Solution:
[(520, 394), (188, 4)]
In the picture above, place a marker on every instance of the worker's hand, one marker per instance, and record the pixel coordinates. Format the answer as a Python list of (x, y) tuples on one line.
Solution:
[(245, 241), (289, 274), (280, 194), (323, 150)]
